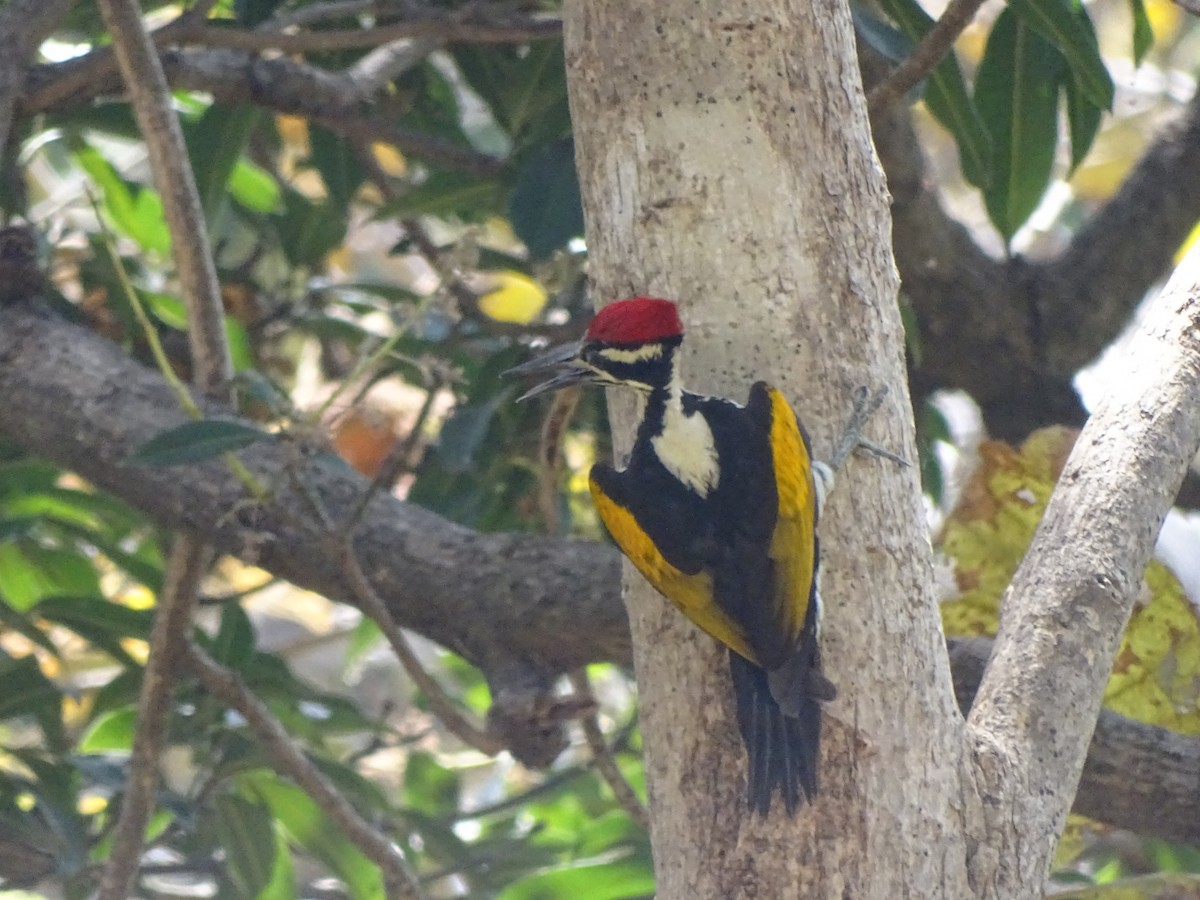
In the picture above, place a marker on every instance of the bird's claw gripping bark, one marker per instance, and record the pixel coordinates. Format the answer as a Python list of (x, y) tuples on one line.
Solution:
[(865, 405)]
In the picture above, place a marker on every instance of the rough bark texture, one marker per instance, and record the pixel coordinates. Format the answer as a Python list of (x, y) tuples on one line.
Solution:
[(79, 401), (1135, 775), (514, 604), (725, 161), (1062, 620)]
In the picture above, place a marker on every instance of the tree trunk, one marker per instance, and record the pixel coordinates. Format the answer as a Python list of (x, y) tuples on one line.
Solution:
[(725, 161)]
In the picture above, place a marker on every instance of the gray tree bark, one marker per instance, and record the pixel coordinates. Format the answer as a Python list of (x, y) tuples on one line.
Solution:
[(725, 161)]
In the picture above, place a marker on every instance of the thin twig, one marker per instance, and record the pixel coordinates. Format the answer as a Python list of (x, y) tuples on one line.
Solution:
[(212, 368), (398, 461), (549, 468), (188, 561), (606, 763), (369, 601), (925, 56), (467, 300), (388, 62), (275, 739), (173, 176), (439, 700), (440, 28), (319, 12), (150, 333), (550, 457)]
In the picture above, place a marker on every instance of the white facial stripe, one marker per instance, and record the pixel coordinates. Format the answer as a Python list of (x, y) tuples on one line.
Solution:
[(637, 354)]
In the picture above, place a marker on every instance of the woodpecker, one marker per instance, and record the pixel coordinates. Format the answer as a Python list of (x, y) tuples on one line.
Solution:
[(717, 508)]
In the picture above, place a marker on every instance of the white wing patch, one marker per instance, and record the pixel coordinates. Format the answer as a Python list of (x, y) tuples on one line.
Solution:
[(687, 449), (822, 482)]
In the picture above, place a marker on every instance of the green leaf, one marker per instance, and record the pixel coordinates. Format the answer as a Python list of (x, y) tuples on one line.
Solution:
[(67, 570), (337, 164), (100, 621), (195, 442), (234, 642), (430, 786), (253, 187), (27, 692), (215, 144), (144, 564), (1016, 90), (465, 431), (890, 43), (171, 311), (139, 215), (307, 230), (1143, 34), (307, 825), (247, 832), (110, 733), (524, 88), (22, 584), (607, 880), (11, 529), (241, 352), (545, 209), (1083, 118), (947, 98), (447, 194), (1068, 27)]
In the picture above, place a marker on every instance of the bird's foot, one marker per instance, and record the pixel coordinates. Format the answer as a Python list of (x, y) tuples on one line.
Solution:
[(865, 405)]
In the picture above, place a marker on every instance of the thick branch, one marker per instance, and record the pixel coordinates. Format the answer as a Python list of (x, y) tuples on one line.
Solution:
[(1085, 294), (71, 397), (522, 607), (1044, 319), (1136, 776), (439, 27), (1063, 617)]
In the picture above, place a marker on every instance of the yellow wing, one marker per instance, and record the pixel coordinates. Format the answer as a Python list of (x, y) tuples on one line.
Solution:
[(692, 594), (793, 545), (769, 639)]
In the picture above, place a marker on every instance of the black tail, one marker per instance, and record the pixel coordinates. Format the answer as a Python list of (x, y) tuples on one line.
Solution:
[(782, 748)]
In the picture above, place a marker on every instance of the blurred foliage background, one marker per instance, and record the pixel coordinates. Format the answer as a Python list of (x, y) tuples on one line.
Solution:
[(380, 268)]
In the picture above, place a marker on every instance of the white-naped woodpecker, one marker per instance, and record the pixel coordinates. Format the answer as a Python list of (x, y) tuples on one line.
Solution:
[(718, 509)]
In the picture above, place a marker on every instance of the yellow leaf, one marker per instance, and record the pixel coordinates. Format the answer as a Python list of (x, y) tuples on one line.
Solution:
[(1165, 18), (1156, 674), (390, 159), (513, 297), (294, 131)]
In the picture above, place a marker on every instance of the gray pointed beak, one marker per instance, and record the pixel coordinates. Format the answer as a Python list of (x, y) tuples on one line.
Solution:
[(561, 363)]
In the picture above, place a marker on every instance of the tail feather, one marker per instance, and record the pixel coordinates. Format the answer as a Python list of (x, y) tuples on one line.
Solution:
[(782, 747)]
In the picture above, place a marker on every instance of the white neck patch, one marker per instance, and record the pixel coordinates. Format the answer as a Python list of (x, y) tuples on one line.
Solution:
[(686, 447)]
